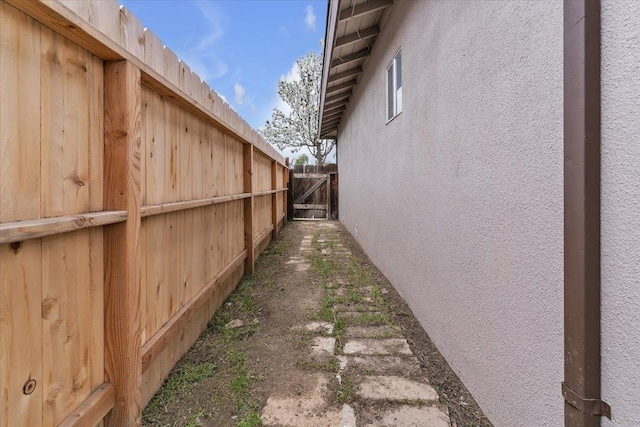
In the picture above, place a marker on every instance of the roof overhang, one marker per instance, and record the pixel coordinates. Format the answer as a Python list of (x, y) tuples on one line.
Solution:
[(352, 29)]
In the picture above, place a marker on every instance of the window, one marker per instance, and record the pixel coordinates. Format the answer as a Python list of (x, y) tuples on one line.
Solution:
[(394, 87)]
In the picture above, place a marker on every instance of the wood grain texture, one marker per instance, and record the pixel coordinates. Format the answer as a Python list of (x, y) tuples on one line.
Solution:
[(20, 334), (66, 323), (93, 409), (122, 241), (74, 192), (247, 166), (153, 51), (36, 228), (20, 265), (20, 131), (62, 20), (105, 16), (131, 33), (177, 322)]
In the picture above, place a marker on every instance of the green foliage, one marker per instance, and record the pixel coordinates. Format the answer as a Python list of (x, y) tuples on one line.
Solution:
[(301, 160)]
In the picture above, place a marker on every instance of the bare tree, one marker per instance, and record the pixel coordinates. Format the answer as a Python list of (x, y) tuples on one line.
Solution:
[(299, 128)]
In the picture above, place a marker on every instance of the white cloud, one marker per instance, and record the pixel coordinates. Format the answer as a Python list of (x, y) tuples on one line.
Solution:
[(310, 19), (200, 57), (293, 74), (241, 93)]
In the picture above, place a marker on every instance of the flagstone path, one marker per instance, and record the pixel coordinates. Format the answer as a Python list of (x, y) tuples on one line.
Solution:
[(317, 337), (375, 363)]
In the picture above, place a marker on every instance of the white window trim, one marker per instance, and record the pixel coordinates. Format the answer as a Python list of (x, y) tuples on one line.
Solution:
[(397, 111)]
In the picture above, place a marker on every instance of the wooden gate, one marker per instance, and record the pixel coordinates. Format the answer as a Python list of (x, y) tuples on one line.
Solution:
[(314, 192)]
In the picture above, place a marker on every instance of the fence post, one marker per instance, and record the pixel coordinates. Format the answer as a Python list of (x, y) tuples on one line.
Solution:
[(274, 199), (122, 130), (285, 184), (247, 161)]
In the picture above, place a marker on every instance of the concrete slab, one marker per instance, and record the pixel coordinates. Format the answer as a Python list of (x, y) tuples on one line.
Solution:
[(307, 410), (390, 346), (322, 347), (356, 314), (395, 389), (234, 324), (411, 416), (382, 365), (348, 416), (372, 332), (324, 327)]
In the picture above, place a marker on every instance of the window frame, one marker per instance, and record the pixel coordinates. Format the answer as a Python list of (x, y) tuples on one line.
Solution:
[(397, 106)]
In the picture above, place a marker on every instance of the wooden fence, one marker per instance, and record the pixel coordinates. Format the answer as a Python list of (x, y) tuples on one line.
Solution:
[(132, 201), (313, 191)]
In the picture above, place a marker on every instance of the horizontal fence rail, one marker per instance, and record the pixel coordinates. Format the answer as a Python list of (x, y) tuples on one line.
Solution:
[(133, 199)]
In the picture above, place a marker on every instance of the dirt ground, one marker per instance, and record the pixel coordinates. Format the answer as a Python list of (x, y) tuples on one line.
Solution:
[(253, 348)]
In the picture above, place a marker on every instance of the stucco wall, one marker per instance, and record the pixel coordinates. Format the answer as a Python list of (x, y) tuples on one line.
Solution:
[(458, 200), (621, 210)]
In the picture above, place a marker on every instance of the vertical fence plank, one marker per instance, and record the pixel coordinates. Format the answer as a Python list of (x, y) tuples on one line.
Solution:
[(285, 195), (20, 264), (171, 67), (123, 360), (131, 33), (153, 51), (105, 16), (274, 199), (247, 162)]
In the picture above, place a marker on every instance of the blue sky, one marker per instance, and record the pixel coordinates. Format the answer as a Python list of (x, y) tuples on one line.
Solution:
[(242, 47)]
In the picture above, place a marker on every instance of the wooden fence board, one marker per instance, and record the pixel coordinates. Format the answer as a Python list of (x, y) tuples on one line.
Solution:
[(20, 130), (93, 409), (112, 222), (123, 99), (21, 334), (153, 51), (20, 263), (67, 319), (131, 33), (105, 16)]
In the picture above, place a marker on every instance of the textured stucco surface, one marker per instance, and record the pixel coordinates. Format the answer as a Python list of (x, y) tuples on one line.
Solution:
[(459, 199), (621, 210)]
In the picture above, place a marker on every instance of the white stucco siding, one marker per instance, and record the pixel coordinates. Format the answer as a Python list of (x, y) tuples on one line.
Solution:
[(621, 210), (459, 199)]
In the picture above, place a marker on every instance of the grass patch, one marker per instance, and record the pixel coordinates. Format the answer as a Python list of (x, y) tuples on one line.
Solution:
[(181, 382), (326, 309), (339, 327), (371, 319), (247, 304), (240, 387), (250, 420), (346, 393), (332, 365)]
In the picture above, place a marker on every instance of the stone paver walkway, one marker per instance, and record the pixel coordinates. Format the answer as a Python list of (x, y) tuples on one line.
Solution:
[(377, 380)]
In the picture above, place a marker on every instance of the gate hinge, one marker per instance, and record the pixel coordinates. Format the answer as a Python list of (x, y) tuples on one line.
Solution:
[(586, 406)]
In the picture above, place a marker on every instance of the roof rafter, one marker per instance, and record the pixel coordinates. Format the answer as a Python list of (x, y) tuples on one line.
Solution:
[(348, 73), (331, 124), (332, 115), (341, 86), (357, 36), (364, 8), (333, 108), (334, 98), (351, 58)]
